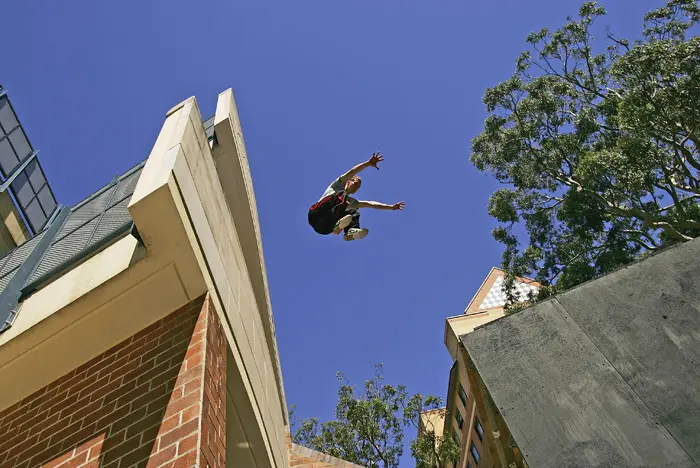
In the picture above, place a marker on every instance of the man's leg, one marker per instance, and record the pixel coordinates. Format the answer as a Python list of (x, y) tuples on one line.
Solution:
[(344, 218), (353, 231), (354, 222)]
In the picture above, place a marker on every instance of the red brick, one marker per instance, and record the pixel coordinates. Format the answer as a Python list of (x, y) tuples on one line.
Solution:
[(46, 455), (47, 396), (10, 413), (47, 424), (83, 434), (127, 396), (145, 423), (95, 450), (58, 460), (192, 386), (7, 435), (187, 460), (130, 419), (39, 393), (101, 388), (179, 433), (133, 458), (130, 348), (102, 416), (86, 409), (120, 391), (132, 395), (162, 457), (65, 431), (179, 405), (84, 383), (10, 463), (26, 445), (190, 413), (65, 403), (188, 443), (116, 451), (194, 361), (92, 362), (21, 418), (169, 423), (69, 384), (148, 397)]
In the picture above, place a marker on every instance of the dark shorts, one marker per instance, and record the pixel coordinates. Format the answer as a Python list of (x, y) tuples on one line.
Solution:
[(324, 214)]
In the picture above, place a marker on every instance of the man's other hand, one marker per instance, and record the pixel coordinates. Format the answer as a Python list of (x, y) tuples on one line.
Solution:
[(398, 206), (375, 159)]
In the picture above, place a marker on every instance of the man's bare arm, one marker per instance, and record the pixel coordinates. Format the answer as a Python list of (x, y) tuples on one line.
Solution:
[(373, 161), (381, 206)]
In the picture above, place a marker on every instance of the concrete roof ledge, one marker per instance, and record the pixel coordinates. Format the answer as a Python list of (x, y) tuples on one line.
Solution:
[(604, 374), (231, 160), (310, 453), (182, 183)]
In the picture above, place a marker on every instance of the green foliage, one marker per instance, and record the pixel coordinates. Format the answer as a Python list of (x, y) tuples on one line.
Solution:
[(433, 450), (599, 150), (369, 426)]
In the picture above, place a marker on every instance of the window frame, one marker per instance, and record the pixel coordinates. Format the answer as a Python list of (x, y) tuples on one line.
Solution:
[(462, 395), (473, 450), (459, 418), (477, 423)]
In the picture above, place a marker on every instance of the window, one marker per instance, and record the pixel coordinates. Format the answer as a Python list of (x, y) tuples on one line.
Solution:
[(479, 429), (469, 465), (454, 464), (455, 436), (458, 417), (475, 453), (462, 395)]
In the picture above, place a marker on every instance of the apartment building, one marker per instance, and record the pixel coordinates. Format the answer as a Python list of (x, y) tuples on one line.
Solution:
[(482, 435), (137, 327)]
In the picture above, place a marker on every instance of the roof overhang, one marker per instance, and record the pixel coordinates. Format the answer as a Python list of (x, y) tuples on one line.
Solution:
[(191, 246)]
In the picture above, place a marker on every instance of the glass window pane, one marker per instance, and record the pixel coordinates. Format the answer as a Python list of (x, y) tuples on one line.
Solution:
[(479, 429), (35, 175), (21, 144), (47, 200), (35, 215), (475, 453), (460, 420), (23, 191), (462, 395), (8, 120), (8, 160)]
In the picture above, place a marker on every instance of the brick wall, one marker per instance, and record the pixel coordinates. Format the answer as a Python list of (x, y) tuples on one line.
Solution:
[(304, 457), (213, 446), (152, 400)]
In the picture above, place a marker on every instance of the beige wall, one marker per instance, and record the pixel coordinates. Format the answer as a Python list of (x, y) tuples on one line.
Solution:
[(463, 324), (13, 232), (433, 420), (193, 245)]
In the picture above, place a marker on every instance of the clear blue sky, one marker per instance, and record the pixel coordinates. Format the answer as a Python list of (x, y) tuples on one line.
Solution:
[(320, 84)]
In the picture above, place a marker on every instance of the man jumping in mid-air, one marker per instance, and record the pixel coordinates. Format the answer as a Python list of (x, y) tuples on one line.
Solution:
[(337, 211)]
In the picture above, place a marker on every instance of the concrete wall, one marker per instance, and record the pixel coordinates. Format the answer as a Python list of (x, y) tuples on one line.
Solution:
[(605, 374)]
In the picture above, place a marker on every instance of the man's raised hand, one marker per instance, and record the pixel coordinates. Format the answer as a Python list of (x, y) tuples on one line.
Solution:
[(376, 159), (398, 206)]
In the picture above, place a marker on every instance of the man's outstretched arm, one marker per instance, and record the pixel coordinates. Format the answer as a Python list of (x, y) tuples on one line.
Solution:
[(373, 161), (381, 206)]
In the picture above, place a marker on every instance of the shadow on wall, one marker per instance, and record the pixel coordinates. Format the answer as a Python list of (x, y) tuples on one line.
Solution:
[(140, 401)]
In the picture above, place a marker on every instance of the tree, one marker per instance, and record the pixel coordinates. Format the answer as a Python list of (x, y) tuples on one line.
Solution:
[(369, 427), (431, 449), (600, 150)]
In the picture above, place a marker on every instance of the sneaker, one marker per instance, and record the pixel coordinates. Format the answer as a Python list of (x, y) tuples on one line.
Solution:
[(355, 234), (342, 224)]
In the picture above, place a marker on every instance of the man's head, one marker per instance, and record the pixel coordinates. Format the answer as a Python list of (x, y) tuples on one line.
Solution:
[(353, 185)]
